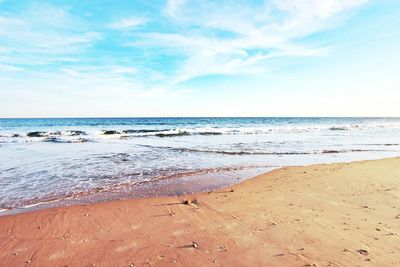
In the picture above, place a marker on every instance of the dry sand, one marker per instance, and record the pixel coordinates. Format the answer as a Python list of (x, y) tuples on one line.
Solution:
[(320, 215)]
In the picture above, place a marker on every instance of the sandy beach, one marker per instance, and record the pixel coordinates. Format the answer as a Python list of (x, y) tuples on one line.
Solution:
[(320, 215), (199, 133)]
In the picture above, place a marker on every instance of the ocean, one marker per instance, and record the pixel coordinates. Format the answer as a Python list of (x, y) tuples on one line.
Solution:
[(50, 162)]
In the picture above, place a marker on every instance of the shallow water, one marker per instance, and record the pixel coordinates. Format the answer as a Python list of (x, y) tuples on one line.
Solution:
[(45, 160)]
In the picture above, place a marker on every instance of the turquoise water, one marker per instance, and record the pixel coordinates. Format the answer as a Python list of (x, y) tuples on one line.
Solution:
[(46, 160)]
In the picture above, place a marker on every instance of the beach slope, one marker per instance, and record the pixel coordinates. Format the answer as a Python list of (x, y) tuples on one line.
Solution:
[(319, 215)]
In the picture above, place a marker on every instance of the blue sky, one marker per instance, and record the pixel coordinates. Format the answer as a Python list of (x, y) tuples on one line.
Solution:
[(199, 58)]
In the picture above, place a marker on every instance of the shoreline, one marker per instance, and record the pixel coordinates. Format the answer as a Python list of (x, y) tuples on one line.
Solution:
[(165, 186), (337, 214)]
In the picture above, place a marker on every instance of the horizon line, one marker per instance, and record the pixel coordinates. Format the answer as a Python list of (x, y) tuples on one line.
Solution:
[(199, 117)]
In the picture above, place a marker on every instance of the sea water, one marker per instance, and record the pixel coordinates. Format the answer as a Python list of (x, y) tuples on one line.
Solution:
[(45, 161)]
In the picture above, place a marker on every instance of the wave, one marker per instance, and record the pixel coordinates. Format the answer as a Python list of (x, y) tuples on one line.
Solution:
[(76, 132), (239, 152), (257, 152), (144, 131), (210, 133), (122, 187), (52, 133), (389, 144), (110, 132), (59, 140), (36, 134), (167, 134), (119, 133), (339, 128), (346, 151)]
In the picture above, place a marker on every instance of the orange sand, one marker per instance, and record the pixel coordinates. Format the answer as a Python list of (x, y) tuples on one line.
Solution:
[(321, 215)]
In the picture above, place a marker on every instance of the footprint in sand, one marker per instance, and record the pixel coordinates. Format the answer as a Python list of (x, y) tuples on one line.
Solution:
[(57, 255), (126, 247), (132, 228), (178, 232)]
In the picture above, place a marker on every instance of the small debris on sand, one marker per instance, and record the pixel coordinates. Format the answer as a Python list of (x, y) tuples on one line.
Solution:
[(363, 252), (222, 248), (186, 202), (189, 202), (195, 245)]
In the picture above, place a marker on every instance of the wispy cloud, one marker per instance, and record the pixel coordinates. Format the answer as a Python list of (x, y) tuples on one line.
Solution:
[(41, 34), (129, 23), (9, 68), (185, 40), (173, 7), (232, 37), (101, 83), (55, 55)]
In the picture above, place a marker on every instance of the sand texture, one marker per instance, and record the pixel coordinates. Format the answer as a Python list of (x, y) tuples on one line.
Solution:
[(320, 215)]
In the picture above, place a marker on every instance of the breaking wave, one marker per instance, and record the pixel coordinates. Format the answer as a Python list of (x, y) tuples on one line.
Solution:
[(97, 135)]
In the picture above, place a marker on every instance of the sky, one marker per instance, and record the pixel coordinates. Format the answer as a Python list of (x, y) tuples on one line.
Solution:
[(138, 58)]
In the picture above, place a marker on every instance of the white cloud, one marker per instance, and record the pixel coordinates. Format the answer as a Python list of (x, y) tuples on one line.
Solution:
[(87, 82), (234, 37), (42, 34), (124, 70), (315, 8), (9, 68), (129, 23), (209, 37), (173, 7)]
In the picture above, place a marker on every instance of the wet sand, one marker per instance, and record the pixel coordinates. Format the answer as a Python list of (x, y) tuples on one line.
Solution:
[(319, 215)]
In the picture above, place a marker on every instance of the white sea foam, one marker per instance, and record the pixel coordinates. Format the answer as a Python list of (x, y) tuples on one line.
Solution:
[(95, 135)]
